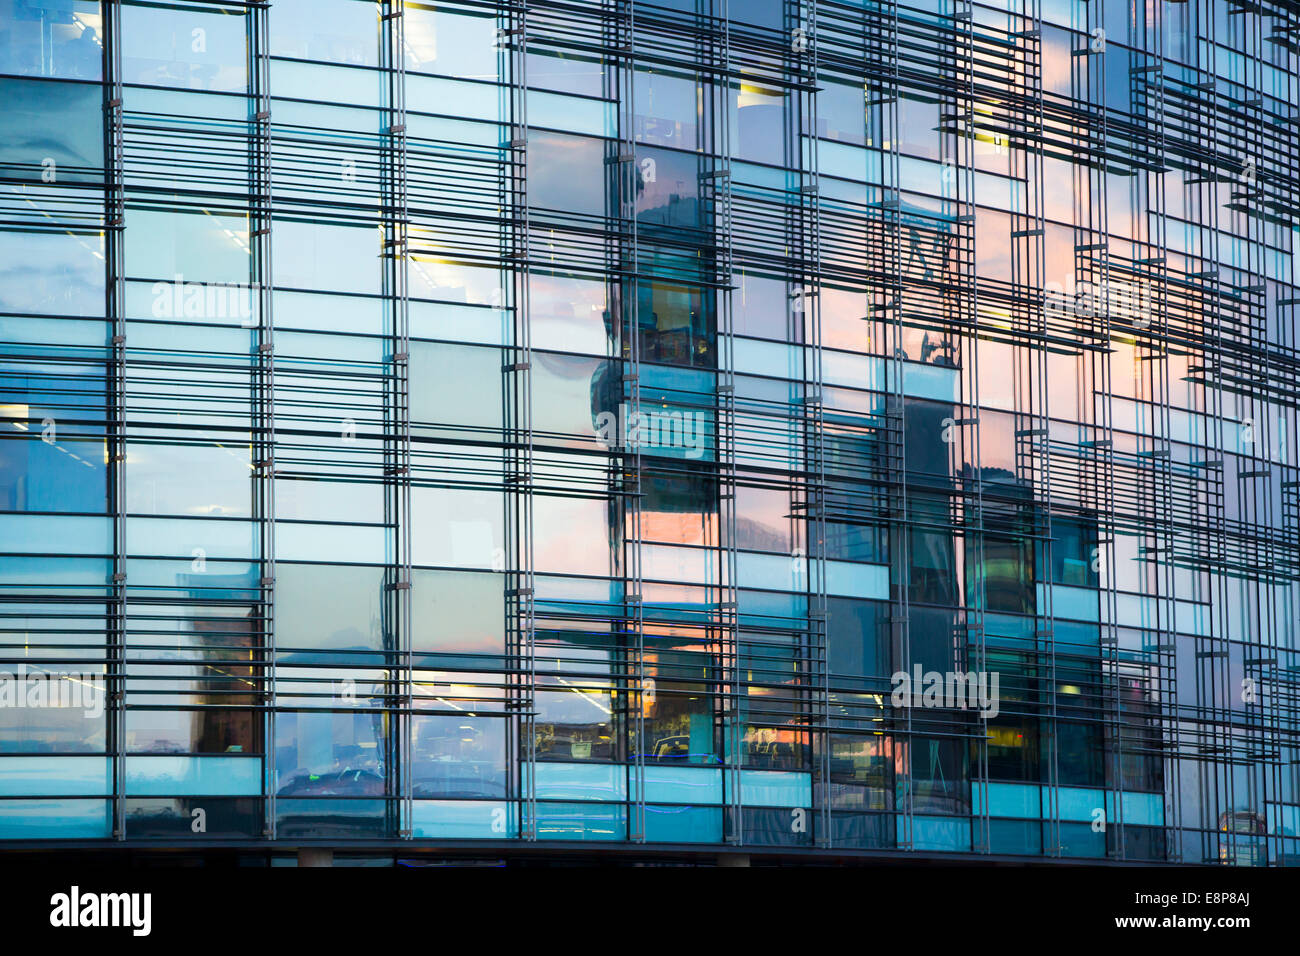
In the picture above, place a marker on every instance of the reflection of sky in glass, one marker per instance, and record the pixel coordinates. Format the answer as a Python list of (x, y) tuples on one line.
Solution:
[(53, 273)]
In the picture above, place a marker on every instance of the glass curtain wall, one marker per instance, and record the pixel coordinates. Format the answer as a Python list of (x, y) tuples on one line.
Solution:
[(633, 422)]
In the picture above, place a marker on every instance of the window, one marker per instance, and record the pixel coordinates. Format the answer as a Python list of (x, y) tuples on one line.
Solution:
[(458, 612), (842, 114), (565, 72), (459, 756), (60, 38), (676, 324), (1074, 552), (200, 479), (668, 200), (331, 754), (451, 43), (759, 115), (330, 607), (456, 389), (566, 173), (334, 31), (575, 720), (52, 130), (668, 109), (187, 49), (858, 637)]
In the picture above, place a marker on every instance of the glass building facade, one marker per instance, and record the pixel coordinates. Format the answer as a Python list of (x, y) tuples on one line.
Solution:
[(486, 424)]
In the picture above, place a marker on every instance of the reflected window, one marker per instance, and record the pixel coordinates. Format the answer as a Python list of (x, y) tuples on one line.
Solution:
[(214, 731), (331, 754), (767, 14), (679, 725), (61, 38), (1008, 574), (331, 31), (775, 748), (203, 480), (668, 200), (566, 394), (184, 49), (454, 527), (52, 708), (680, 507), (1079, 754), (842, 113), (918, 127), (862, 772), (759, 115), (668, 109), (49, 461), (458, 612), (676, 324), (52, 129), (858, 637), (933, 573), (566, 73), (939, 776), (930, 435), (188, 252), (329, 607), (67, 474), (759, 307), (567, 173), (575, 721), (764, 520), (461, 756), (451, 43), (1075, 560), (570, 314), (456, 388)]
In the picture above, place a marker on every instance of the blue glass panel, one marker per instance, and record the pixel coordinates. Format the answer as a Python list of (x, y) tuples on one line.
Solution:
[(197, 818), (63, 475), (463, 819), (332, 819), (1015, 837), (1078, 603), (52, 274), (1140, 809), (775, 788), (219, 776), (66, 534), (683, 824), (1080, 840), (186, 48), (683, 785), (1078, 803), (1009, 799), (55, 776), (849, 578), (580, 781), (51, 38), (55, 819), (940, 833), (581, 821)]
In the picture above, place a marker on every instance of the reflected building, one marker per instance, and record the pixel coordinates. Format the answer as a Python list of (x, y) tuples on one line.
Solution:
[(470, 429)]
